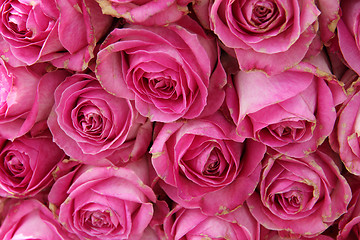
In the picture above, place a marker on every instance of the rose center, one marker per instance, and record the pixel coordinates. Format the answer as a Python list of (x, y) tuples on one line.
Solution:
[(263, 12), (17, 17), (283, 131), (13, 164), (293, 200), (289, 131), (212, 165), (90, 121), (290, 201), (97, 219), (161, 86)]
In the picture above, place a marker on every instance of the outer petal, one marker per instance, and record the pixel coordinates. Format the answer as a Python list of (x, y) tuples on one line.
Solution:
[(284, 60), (348, 46), (328, 18), (31, 219)]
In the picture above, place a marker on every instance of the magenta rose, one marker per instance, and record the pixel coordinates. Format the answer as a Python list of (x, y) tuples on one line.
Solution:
[(89, 123), (146, 12), (171, 72), (26, 97), (64, 32), (30, 219), (302, 196), (270, 35), (348, 33), (26, 164), (105, 202), (201, 167), (189, 224), (293, 122)]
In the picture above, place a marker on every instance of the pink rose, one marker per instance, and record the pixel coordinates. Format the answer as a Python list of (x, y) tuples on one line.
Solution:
[(171, 72), (346, 135), (89, 123), (202, 167), (26, 97), (105, 202), (267, 234), (64, 32), (348, 33), (146, 12), (185, 224), (349, 224), (302, 196), (30, 219), (271, 36), (26, 164), (293, 122)]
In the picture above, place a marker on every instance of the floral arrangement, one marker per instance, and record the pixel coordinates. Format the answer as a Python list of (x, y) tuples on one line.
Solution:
[(179, 119)]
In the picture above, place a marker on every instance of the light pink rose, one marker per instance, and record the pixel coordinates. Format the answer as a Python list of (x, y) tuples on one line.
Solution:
[(201, 167), (89, 123), (62, 31), (146, 12), (292, 112), (30, 219), (105, 202), (26, 97), (26, 164), (302, 196), (189, 224), (348, 33), (171, 72), (268, 35)]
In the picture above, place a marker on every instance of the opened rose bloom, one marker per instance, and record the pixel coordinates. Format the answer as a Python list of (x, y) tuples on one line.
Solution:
[(171, 72), (105, 202), (146, 12), (186, 224), (302, 196), (293, 122), (31, 219), (89, 124), (44, 30), (201, 167), (26, 97), (26, 164), (267, 35)]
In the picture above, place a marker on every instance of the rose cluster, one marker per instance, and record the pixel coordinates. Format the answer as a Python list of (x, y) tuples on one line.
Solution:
[(179, 119)]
